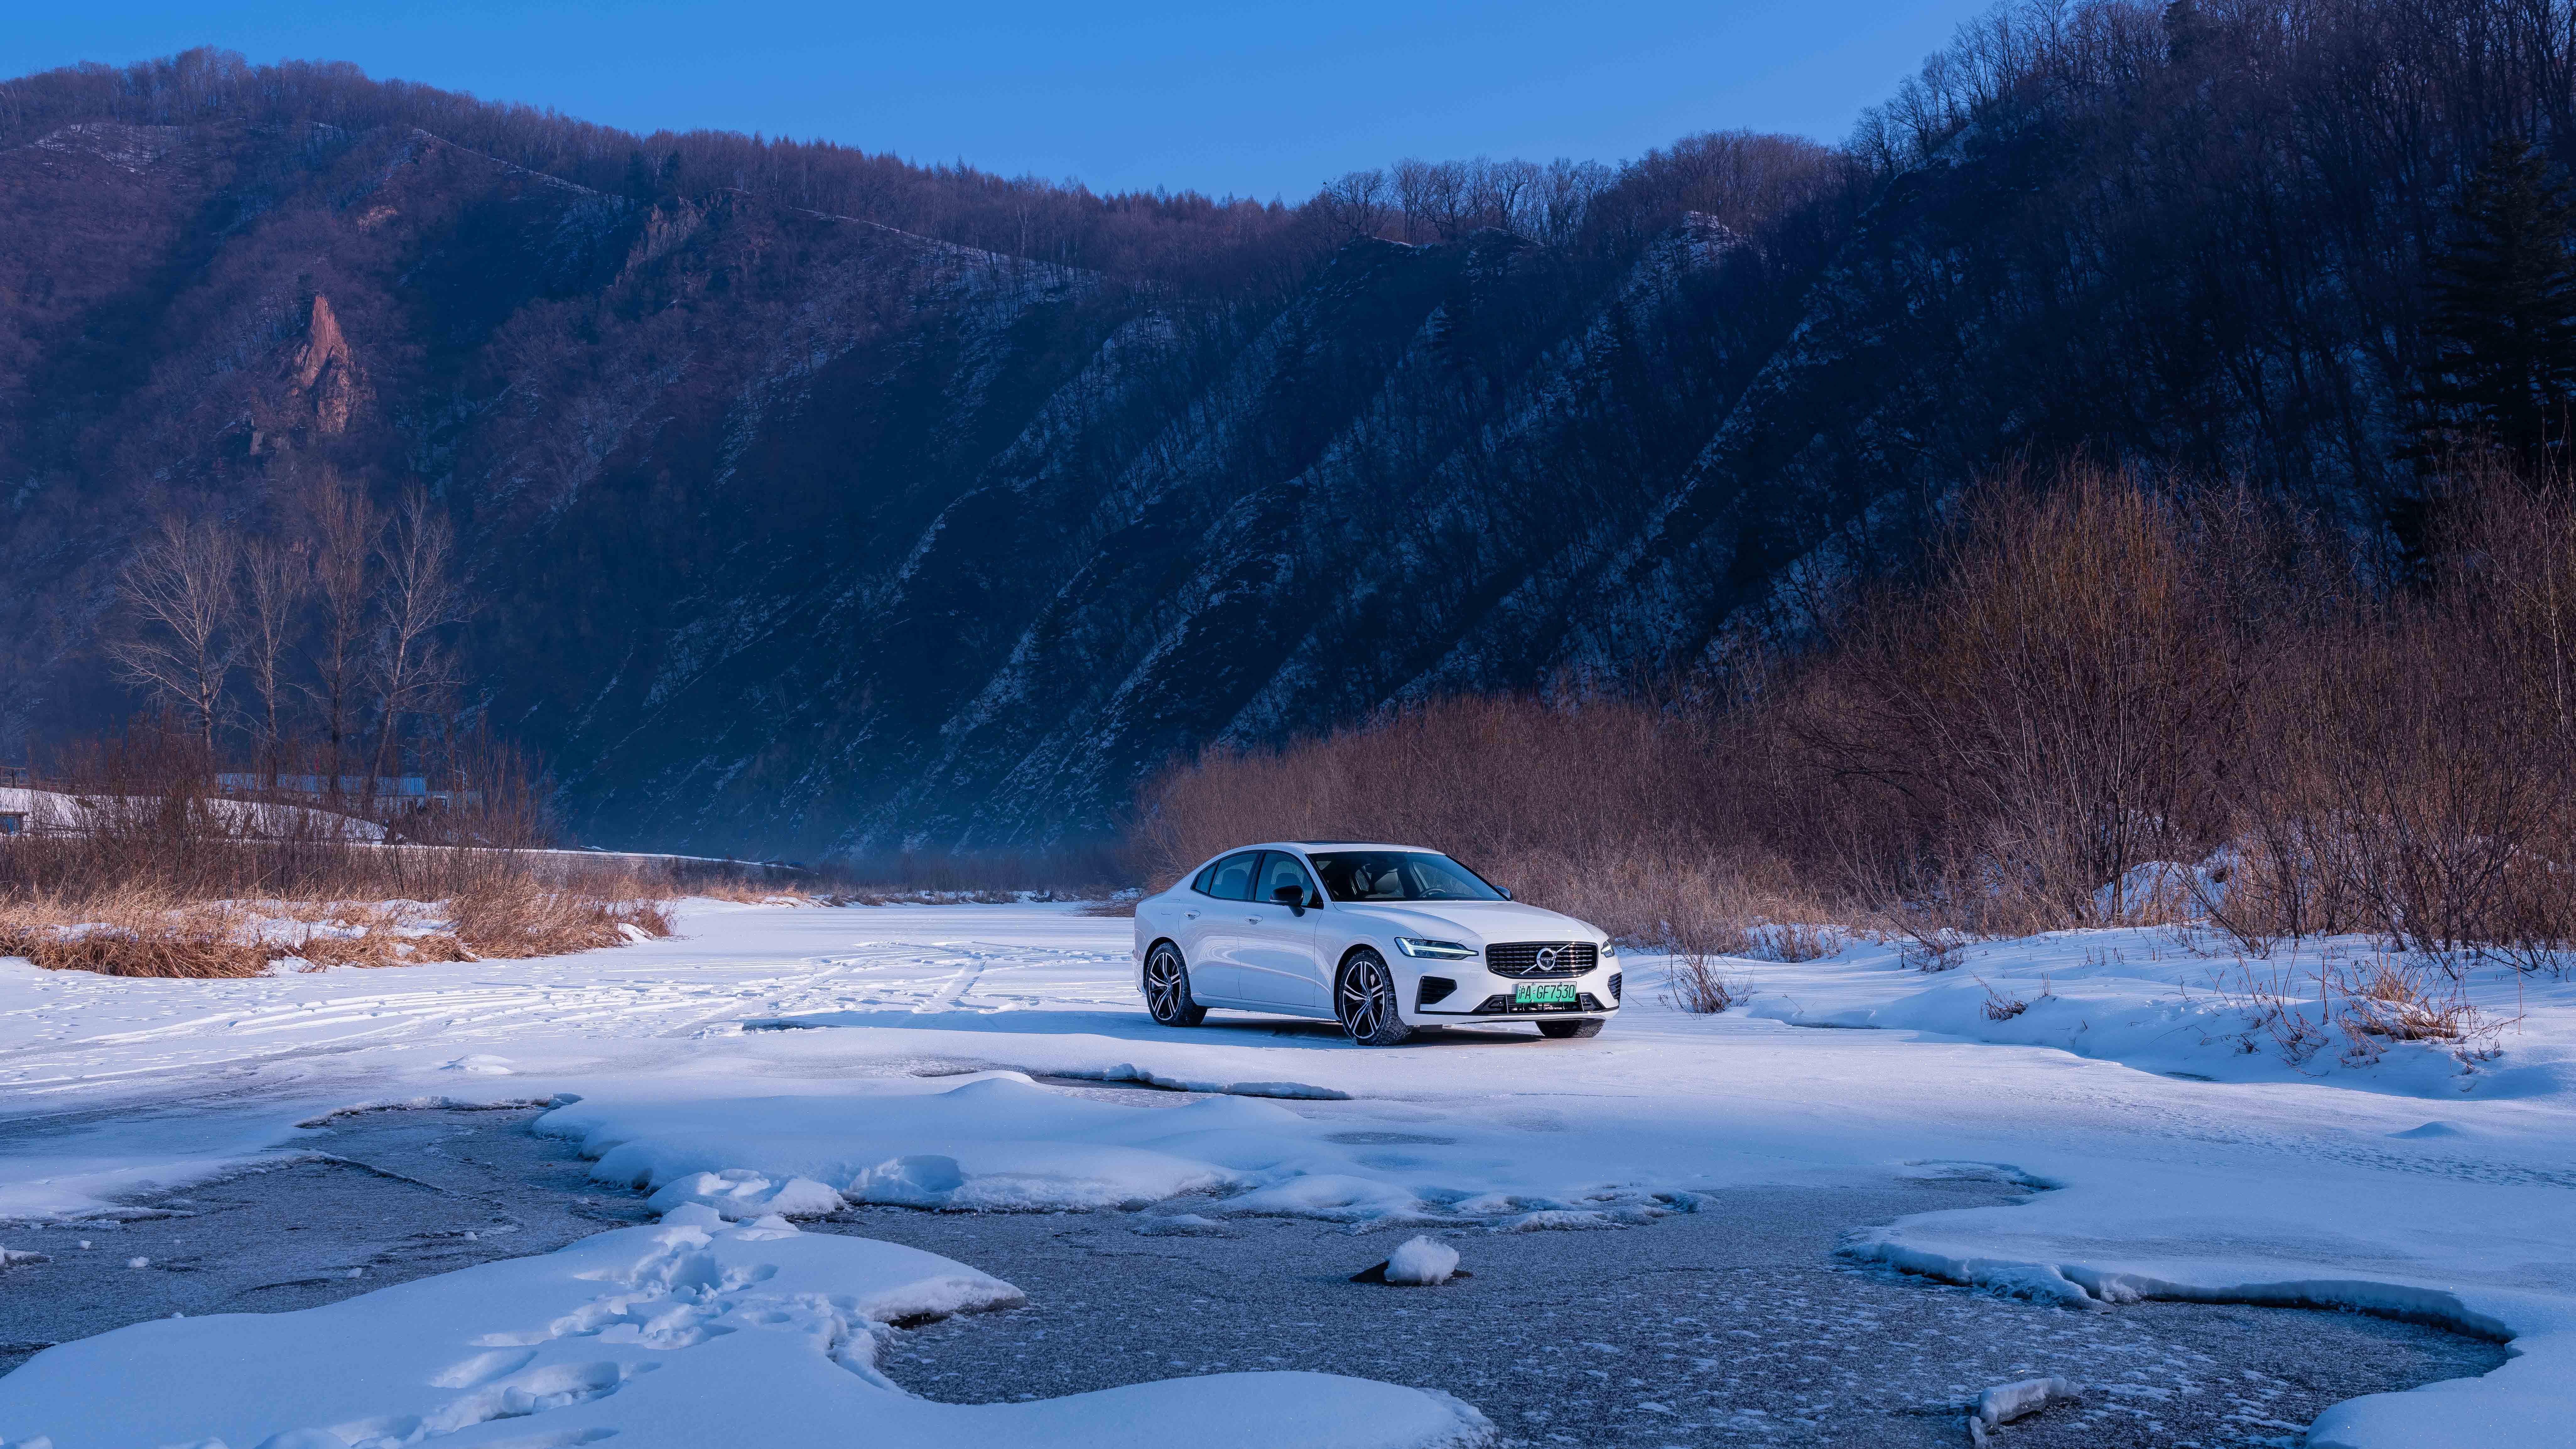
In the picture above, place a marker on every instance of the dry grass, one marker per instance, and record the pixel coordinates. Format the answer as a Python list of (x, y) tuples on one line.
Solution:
[(2297, 1010), (515, 919), (133, 937), (144, 934)]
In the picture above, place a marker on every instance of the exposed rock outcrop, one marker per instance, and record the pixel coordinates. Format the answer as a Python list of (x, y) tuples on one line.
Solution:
[(321, 377)]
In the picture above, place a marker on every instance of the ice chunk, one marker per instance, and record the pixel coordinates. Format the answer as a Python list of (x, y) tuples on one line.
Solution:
[(2006, 1402), (919, 1180), (739, 1193)]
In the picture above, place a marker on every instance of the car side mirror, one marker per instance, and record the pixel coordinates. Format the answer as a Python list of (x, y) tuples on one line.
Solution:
[(1293, 897)]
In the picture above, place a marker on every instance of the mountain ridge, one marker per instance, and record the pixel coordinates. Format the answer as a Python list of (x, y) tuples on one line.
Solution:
[(804, 532)]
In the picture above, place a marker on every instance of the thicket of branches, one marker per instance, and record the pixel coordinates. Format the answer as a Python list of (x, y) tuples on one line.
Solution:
[(313, 659), (2090, 677)]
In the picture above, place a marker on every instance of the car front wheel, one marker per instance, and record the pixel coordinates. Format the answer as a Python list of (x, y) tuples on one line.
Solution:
[(1167, 988), (1365, 1001), (1560, 1030)]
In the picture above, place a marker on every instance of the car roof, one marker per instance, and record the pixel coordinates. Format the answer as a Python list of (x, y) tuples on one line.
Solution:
[(1310, 846)]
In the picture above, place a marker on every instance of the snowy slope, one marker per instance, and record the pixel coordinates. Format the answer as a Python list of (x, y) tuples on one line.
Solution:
[(919, 1075)]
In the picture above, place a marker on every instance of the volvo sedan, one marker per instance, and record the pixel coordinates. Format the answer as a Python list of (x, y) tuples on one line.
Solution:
[(1386, 939)]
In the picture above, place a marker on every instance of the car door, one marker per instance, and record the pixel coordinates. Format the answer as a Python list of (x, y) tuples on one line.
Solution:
[(1275, 963), (1213, 924)]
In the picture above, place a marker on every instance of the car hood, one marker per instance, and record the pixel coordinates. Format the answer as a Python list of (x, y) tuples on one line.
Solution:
[(1473, 923)]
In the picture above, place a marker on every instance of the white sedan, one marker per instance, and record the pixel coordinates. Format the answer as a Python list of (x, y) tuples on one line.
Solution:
[(1385, 939)]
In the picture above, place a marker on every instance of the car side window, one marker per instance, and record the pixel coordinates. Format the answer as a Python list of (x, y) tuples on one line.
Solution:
[(1232, 880), (1280, 869), (1200, 881)]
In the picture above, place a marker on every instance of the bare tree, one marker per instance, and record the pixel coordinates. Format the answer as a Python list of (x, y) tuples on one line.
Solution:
[(346, 527), (421, 597), (178, 594), (276, 582), (1356, 205)]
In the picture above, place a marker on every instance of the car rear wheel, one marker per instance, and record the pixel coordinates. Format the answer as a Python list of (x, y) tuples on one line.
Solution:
[(1560, 1030), (1365, 1001), (1167, 988)]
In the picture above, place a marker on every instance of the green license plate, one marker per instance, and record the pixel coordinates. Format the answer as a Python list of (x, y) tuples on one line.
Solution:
[(1544, 993)]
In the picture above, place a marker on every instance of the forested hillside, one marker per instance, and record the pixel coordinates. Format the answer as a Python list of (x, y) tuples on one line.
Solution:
[(807, 500)]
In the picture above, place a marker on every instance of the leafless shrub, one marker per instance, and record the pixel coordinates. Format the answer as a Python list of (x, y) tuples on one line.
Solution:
[(2034, 712), (1999, 1007), (2272, 1006), (1696, 985), (1923, 940)]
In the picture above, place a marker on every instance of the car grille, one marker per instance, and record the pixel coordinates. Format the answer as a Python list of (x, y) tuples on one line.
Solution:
[(1533, 958), (1617, 980), (1501, 1004)]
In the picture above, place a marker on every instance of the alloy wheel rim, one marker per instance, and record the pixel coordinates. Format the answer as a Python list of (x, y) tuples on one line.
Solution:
[(1163, 986), (1364, 999)]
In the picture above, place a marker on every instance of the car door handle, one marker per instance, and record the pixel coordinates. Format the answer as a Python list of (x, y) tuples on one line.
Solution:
[(1252, 920), (1192, 915)]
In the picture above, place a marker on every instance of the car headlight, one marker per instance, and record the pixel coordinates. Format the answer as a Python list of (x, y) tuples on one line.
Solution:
[(1438, 950), (1609, 950)]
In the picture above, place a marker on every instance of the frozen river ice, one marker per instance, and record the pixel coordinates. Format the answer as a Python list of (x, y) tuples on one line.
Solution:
[(1734, 1324), (2070, 1172)]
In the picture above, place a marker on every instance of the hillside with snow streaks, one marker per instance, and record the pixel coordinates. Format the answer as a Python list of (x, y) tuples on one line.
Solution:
[(796, 531)]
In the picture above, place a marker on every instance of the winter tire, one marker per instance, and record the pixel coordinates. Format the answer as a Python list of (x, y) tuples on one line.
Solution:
[(1167, 988), (1364, 999), (1561, 1030)]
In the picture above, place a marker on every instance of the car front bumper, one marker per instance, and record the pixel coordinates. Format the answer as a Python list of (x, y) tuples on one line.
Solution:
[(1476, 994)]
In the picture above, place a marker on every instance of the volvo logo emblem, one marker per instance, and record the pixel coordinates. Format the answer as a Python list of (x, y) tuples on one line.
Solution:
[(1546, 958)]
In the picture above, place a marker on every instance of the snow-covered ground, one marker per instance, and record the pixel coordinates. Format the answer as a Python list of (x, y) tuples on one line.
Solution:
[(775, 1060)]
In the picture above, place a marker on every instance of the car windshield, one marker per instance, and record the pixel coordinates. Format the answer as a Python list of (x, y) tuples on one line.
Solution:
[(1399, 875)]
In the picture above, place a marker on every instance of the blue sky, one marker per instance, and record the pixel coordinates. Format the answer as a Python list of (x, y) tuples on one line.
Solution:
[(1251, 99)]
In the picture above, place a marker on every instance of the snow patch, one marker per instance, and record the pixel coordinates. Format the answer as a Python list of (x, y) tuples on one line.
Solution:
[(1421, 1263)]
